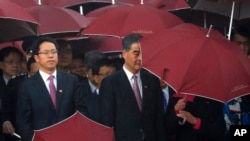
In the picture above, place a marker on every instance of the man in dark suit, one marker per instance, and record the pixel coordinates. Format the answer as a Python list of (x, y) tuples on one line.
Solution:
[(9, 100), (99, 69), (42, 102), (135, 116)]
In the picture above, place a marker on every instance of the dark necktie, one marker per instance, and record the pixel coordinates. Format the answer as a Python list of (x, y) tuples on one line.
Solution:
[(52, 90), (137, 92)]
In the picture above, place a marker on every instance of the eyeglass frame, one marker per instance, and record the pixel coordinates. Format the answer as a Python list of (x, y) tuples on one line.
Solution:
[(48, 52), (12, 62)]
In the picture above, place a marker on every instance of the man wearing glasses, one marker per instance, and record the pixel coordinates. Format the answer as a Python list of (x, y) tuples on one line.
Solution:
[(50, 95)]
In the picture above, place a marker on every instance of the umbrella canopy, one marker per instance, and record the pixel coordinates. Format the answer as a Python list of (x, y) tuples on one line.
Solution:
[(75, 128), (104, 44), (58, 22), (15, 24), (126, 19), (241, 9), (208, 66)]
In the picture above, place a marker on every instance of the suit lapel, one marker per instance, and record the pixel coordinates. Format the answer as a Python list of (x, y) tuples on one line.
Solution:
[(60, 87), (126, 89), (125, 85), (40, 85)]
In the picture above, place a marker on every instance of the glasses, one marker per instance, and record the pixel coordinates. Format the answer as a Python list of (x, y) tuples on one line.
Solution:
[(53, 52), (12, 62)]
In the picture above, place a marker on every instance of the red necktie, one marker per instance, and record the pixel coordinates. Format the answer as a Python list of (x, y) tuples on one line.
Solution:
[(137, 92), (52, 90)]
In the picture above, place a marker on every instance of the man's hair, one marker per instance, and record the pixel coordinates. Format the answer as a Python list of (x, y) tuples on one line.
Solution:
[(242, 30), (39, 41), (91, 57), (100, 63), (27, 44), (129, 39), (7, 50)]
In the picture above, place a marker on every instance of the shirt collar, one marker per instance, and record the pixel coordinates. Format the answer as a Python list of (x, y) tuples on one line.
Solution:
[(129, 74), (45, 76)]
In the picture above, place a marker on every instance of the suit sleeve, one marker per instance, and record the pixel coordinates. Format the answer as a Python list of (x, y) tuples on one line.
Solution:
[(107, 103), (24, 111), (79, 98)]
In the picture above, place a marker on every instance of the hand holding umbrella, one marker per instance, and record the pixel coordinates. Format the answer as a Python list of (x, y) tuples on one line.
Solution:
[(180, 106)]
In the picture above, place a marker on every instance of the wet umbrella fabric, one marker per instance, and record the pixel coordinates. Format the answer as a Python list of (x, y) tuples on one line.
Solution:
[(58, 22), (122, 20), (15, 24), (192, 63), (75, 128)]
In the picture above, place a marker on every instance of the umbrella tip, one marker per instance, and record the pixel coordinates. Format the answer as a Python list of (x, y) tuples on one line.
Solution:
[(142, 2), (209, 30)]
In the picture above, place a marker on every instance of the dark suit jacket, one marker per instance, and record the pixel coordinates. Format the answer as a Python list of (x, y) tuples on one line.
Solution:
[(9, 101), (118, 108), (92, 100), (35, 109), (2, 89), (9, 98), (212, 121)]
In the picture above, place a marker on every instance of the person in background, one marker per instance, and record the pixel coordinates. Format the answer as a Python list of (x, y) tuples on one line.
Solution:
[(89, 86), (100, 69), (241, 37), (9, 100), (64, 55), (77, 66), (237, 111), (167, 93), (10, 62), (55, 94), (10, 65), (27, 48), (194, 118), (131, 99)]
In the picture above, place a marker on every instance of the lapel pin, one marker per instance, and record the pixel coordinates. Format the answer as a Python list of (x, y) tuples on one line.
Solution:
[(60, 91), (145, 86)]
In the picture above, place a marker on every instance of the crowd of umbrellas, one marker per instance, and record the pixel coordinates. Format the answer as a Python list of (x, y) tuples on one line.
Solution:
[(184, 51)]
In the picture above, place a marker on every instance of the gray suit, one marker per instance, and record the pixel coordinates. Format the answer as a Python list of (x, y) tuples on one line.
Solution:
[(35, 109)]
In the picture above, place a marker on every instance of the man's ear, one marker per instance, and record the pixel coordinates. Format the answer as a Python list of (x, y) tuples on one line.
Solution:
[(36, 58)]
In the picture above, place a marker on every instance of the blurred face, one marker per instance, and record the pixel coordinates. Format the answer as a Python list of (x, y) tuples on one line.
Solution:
[(132, 58), (33, 68), (23, 67), (77, 67), (65, 56), (242, 42), (103, 72), (11, 65), (47, 57)]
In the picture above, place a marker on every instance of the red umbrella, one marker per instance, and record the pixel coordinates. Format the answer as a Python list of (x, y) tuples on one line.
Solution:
[(75, 128), (57, 21), (104, 44), (126, 19), (211, 67), (15, 22)]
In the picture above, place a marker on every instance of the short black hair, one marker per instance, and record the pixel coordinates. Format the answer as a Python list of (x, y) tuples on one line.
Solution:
[(91, 57), (39, 41), (27, 44), (243, 30), (129, 39), (100, 63), (7, 50)]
